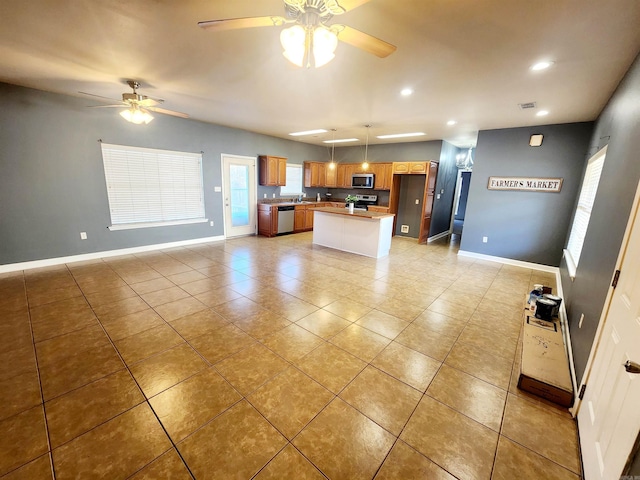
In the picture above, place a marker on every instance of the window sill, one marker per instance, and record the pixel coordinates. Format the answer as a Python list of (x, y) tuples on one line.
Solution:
[(131, 226), (571, 266)]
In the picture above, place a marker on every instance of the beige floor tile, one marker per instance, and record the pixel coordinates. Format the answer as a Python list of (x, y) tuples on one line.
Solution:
[(237, 444), (323, 323), (42, 297), (481, 363), (179, 308), (348, 309), (166, 295), (19, 393), (169, 466), (455, 442), (162, 371), (132, 324), (406, 463), (440, 323), (61, 317), (407, 365), (81, 410), (56, 349), (515, 461), (217, 296), (543, 431), (111, 295), (199, 323), (290, 400), (382, 398), (292, 342), (416, 296), (153, 285), (78, 369), (17, 362), (262, 324), (400, 308), (490, 339), (24, 438), (115, 449), (221, 343), (344, 443), (40, 469), (250, 368), (238, 309), (186, 277), (476, 399), (145, 344), (289, 463), (188, 405), (331, 366), (452, 309), (430, 343), (360, 342), (118, 309), (382, 323)]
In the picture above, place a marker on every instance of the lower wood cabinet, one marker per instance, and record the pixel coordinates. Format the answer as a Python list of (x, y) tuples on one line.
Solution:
[(267, 220)]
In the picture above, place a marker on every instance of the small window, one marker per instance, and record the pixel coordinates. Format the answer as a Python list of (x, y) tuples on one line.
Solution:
[(294, 180), (583, 210), (148, 187)]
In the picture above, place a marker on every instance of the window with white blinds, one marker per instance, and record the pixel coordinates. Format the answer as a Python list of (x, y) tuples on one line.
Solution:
[(294, 180), (583, 210), (148, 187)]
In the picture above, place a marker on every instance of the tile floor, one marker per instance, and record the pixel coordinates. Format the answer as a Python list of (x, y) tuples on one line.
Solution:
[(273, 359)]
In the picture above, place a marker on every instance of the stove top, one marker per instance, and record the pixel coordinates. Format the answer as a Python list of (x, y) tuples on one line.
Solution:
[(365, 200)]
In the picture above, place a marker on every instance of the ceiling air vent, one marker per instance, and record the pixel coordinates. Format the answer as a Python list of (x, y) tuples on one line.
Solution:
[(526, 106)]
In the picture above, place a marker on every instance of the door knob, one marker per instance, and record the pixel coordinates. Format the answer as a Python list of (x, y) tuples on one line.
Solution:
[(631, 367)]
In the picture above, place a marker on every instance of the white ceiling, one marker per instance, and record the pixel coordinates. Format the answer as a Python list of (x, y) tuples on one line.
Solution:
[(467, 60)]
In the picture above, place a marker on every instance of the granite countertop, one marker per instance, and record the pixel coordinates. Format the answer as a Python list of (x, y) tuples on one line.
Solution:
[(357, 213)]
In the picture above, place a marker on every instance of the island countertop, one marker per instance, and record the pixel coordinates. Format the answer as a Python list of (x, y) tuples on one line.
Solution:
[(357, 213)]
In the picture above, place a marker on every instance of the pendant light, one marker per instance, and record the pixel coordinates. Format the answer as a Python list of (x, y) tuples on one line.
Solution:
[(365, 164), (332, 165)]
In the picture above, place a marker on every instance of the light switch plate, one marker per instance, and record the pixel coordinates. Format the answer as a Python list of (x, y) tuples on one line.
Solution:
[(217, 189), (83, 235)]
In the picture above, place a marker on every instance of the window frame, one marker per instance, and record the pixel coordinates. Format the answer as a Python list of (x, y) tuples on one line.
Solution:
[(161, 187), (582, 213), (283, 190)]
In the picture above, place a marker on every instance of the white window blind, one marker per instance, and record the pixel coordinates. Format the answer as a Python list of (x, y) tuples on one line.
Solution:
[(149, 187), (583, 210), (294, 180)]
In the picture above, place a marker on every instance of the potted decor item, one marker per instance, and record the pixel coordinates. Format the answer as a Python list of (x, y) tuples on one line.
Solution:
[(351, 201)]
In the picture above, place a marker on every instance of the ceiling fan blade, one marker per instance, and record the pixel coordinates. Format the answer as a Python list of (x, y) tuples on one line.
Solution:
[(149, 102), (100, 96), (167, 112), (122, 105), (351, 4), (364, 41), (247, 22)]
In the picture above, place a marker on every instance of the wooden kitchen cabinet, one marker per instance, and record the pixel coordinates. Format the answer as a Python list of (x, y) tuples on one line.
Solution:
[(272, 171), (410, 167), (315, 174), (299, 215), (267, 220), (383, 175), (331, 175), (378, 209), (345, 171)]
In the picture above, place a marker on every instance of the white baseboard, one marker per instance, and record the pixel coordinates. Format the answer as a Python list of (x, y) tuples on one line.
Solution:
[(47, 262), (509, 261), (439, 236)]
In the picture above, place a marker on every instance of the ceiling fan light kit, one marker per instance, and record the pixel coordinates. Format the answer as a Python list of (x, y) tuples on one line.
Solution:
[(136, 115)]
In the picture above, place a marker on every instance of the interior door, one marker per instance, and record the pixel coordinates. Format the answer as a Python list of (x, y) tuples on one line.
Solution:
[(240, 193), (609, 416)]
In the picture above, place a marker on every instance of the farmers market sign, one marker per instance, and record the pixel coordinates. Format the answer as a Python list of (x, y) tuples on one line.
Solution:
[(528, 184)]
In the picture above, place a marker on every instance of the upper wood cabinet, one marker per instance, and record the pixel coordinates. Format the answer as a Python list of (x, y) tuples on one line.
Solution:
[(383, 175), (331, 175), (272, 171), (315, 174), (410, 167)]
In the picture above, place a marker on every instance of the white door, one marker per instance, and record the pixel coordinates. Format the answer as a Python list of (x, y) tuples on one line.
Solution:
[(240, 192), (609, 416)]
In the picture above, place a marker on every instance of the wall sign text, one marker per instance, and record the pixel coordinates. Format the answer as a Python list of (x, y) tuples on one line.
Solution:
[(527, 184)]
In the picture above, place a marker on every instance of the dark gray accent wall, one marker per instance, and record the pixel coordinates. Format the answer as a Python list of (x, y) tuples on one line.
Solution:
[(526, 226), (446, 188), (411, 189), (52, 183), (618, 127)]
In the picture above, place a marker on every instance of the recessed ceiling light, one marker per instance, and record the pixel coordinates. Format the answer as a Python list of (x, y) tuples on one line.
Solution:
[(340, 140), (402, 135), (451, 122), (406, 92), (308, 132), (542, 113), (541, 66)]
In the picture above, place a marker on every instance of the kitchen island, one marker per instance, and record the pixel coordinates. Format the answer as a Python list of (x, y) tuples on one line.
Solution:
[(362, 232)]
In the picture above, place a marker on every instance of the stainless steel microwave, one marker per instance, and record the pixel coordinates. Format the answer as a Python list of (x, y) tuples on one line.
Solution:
[(362, 180)]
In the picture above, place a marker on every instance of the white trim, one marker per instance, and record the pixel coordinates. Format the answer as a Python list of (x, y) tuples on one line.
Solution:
[(439, 236), (509, 261), (566, 334), (571, 266), (131, 226), (47, 262)]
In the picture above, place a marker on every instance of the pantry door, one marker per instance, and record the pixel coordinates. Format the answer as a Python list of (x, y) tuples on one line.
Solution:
[(239, 195), (609, 416)]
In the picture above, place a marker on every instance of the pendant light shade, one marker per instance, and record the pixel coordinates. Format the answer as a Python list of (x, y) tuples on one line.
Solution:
[(325, 43), (293, 40)]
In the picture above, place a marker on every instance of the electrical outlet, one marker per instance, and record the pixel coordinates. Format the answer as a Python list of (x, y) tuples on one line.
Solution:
[(274, 196), (417, 201), (265, 195), (83, 235), (442, 191), (438, 197), (485, 239), (581, 320), (211, 223), (404, 228)]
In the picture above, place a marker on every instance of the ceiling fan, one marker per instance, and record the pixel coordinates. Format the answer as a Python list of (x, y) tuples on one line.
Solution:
[(311, 38), (138, 107)]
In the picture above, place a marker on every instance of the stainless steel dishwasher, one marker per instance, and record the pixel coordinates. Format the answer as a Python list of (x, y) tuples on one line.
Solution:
[(286, 216)]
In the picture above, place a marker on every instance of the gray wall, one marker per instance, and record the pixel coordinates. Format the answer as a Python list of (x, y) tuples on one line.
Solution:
[(410, 214), (395, 152), (52, 183), (619, 127), (447, 177), (526, 226)]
